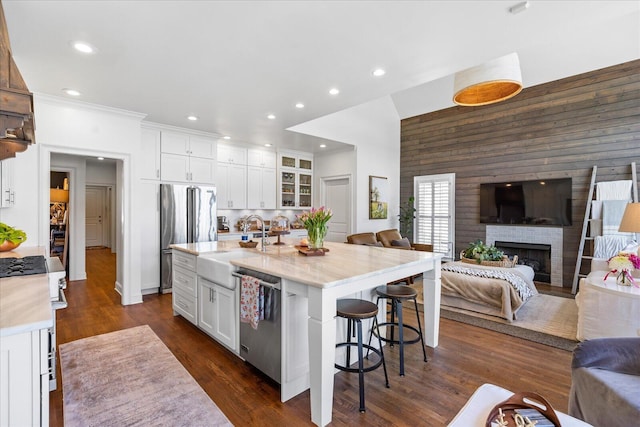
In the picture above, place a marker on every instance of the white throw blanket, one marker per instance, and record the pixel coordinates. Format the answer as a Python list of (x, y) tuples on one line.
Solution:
[(614, 190), (517, 282)]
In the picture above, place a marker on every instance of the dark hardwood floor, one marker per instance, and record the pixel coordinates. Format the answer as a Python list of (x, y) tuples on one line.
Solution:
[(429, 395)]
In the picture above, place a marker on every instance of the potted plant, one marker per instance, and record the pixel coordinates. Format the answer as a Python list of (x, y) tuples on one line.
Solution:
[(479, 253), (10, 237), (406, 216)]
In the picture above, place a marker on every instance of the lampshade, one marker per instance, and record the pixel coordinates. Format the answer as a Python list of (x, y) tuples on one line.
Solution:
[(631, 219), (491, 82), (57, 195)]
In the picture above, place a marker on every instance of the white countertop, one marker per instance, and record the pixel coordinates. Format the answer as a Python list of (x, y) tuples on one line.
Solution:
[(342, 264), (24, 301), (204, 248)]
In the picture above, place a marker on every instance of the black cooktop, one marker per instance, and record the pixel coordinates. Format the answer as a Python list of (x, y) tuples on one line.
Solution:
[(13, 267)]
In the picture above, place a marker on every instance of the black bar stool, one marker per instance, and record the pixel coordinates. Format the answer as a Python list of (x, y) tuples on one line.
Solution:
[(355, 310), (397, 294)]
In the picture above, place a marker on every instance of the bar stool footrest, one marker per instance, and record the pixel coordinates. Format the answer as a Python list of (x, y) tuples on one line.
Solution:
[(371, 348), (406, 341)]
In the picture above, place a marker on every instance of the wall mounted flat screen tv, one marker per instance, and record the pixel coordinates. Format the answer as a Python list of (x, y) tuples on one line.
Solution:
[(545, 202)]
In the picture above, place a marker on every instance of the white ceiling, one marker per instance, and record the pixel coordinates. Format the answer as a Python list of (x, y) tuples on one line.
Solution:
[(231, 63)]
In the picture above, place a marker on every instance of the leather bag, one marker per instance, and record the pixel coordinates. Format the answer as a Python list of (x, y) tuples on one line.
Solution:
[(517, 401)]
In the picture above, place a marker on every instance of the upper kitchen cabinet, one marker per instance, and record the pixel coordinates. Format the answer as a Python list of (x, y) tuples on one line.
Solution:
[(261, 188), (231, 180), (230, 154), (262, 158), (261, 179), (187, 158), (150, 158), (188, 145), (7, 190), (295, 178)]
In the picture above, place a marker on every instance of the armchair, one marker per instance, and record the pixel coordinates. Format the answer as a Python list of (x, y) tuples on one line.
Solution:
[(392, 239), (363, 239), (605, 382)]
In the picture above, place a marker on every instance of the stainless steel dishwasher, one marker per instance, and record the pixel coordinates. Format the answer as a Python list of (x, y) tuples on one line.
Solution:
[(261, 347)]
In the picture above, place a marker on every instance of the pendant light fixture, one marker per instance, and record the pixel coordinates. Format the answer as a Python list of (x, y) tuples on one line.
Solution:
[(488, 83)]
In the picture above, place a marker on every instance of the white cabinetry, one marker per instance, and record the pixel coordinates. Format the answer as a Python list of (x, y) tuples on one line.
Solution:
[(187, 158), (261, 188), (24, 379), (217, 312), (184, 286), (7, 190), (261, 158), (150, 154), (231, 177), (231, 154), (295, 178)]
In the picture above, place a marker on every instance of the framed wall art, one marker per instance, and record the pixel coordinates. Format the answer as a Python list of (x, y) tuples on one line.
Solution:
[(378, 197)]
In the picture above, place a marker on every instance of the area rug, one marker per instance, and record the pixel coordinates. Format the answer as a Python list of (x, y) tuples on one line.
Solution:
[(546, 319), (130, 378)]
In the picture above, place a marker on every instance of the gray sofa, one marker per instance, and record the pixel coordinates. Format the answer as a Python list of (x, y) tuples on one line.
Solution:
[(605, 382)]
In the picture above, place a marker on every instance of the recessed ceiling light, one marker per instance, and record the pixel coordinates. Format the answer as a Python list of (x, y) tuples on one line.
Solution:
[(520, 7), (334, 91), (100, 158), (83, 47), (192, 118), (226, 137), (323, 145), (299, 105), (271, 116), (378, 72), (267, 145), (71, 92)]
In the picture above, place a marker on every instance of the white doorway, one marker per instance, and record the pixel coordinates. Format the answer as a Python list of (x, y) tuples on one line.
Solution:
[(96, 216), (336, 195)]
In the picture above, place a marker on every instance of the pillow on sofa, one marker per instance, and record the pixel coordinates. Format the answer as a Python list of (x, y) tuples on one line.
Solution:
[(402, 243)]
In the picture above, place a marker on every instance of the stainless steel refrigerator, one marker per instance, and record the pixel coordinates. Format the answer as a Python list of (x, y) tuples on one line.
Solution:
[(187, 215)]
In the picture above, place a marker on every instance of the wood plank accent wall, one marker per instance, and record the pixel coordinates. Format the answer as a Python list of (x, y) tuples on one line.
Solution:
[(554, 130)]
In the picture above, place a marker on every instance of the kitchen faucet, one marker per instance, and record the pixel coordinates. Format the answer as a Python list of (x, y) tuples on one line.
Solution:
[(259, 218)]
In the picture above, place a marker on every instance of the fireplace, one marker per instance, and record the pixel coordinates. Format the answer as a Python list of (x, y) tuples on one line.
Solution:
[(535, 255), (551, 236)]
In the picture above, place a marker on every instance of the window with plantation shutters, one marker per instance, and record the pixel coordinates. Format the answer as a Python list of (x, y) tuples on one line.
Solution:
[(434, 203)]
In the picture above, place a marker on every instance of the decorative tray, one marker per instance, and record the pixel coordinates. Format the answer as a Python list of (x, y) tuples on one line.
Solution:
[(304, 250)]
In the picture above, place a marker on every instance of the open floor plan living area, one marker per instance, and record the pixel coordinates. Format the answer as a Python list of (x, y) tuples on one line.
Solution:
[(319, 213)]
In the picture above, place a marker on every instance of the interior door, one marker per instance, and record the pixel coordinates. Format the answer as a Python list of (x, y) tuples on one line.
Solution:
[(336, 195), (94, 216)]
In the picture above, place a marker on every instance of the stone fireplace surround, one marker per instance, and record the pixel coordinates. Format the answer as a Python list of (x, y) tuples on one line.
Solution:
[(523, 234)]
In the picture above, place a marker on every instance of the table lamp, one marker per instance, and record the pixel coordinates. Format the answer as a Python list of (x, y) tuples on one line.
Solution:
[(631, 220)]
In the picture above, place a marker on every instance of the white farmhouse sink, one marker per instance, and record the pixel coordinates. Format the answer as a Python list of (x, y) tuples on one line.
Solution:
[(216, 267)]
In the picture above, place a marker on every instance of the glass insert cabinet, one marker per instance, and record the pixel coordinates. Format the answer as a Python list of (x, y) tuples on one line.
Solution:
[(295, 175)]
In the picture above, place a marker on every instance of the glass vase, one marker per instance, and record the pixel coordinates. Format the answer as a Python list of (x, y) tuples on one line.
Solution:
[(624, 278), (316, 236)]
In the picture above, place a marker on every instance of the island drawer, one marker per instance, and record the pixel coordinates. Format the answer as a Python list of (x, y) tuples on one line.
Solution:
[(183, 259), (185, 281), (185, 305)]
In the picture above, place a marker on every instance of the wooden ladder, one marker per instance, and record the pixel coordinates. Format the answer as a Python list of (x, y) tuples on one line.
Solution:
[(587, 218)]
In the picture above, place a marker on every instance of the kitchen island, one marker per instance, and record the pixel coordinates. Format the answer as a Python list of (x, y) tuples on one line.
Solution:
[(346, 270)]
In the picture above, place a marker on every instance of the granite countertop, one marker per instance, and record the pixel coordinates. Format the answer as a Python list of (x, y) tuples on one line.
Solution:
[(24, 301)]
